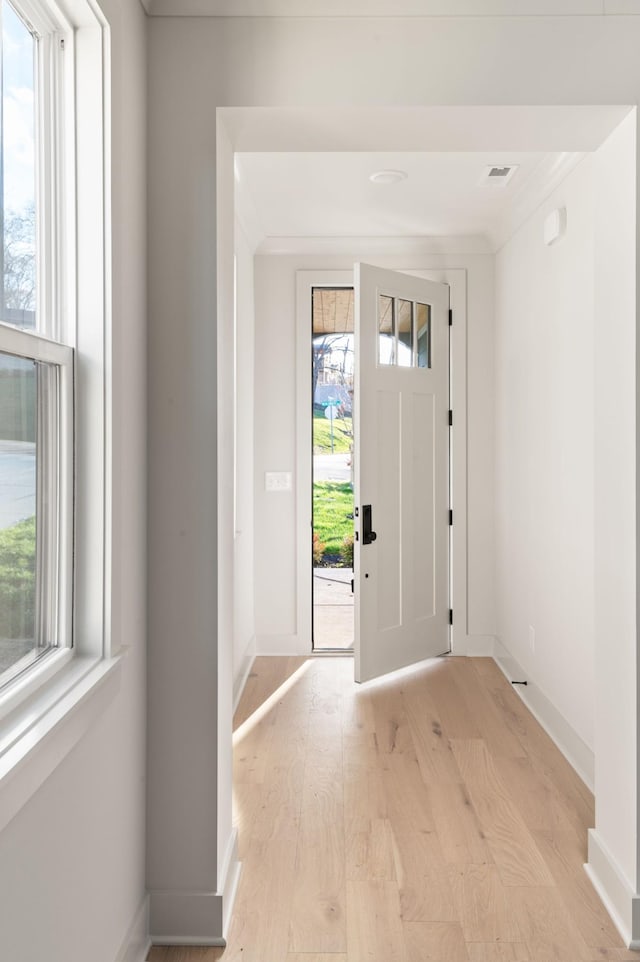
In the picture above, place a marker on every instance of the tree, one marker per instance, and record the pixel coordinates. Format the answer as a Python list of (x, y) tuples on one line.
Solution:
[(333, 353), (322, 348), (20, 259)]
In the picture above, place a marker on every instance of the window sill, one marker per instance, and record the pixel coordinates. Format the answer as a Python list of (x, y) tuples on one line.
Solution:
[(38, 734)]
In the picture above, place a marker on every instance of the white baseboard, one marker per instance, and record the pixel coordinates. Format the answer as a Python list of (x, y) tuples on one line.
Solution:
[(243, 672), (137, 943), (203, 940), (473, 646), (197, 918), (620, 901), (185, 918), (574, 749)]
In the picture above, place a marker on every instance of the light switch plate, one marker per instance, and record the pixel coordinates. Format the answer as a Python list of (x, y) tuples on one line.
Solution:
[(277, 481)]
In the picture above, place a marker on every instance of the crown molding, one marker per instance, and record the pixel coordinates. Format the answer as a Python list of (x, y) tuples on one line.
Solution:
[(391, 8)]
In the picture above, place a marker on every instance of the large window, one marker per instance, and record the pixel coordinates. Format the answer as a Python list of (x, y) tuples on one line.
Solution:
[(36, 341)]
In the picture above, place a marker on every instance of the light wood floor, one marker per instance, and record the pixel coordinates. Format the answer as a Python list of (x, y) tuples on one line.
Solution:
[(422, 819)]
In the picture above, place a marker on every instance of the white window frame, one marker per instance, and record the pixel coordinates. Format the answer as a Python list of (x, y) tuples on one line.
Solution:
[(53, 340), (48, 709)]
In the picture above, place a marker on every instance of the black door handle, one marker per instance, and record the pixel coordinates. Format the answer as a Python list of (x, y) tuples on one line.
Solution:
[(368, 535)]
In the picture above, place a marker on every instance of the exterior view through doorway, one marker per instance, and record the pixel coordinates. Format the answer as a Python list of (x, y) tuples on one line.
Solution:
[(332, 318), (381, 427)]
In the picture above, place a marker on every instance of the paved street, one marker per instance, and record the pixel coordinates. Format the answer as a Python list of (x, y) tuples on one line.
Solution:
[(331, 467), (17, 481)]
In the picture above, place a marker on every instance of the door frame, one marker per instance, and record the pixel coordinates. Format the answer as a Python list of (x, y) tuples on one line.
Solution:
[(456, 278)]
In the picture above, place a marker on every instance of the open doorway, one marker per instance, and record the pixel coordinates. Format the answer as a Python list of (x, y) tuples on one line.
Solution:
[(332, 363), (468, 254)]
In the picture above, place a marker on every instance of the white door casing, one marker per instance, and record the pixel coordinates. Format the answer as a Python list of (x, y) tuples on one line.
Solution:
[(401, 427)]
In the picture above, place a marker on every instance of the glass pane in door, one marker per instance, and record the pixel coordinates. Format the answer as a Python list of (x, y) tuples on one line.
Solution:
[(404, 314), (423, 340), (387, 329)]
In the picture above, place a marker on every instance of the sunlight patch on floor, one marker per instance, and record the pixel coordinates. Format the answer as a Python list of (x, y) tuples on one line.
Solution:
[(249, 723)]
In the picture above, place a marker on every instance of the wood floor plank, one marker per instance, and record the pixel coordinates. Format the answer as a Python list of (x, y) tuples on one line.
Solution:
[(364, 790), (369, 849), (482, 707), (434, 942), (511, 844), (252, 749), (358, 714), (545, 757), (391, 725), (246, 803), (407, 796), (381, 823), (266, 677), (277, 814), (498, 952), (456, 719), (615, 955), (539, 804), (360, 748), (548, 930), (576, 799), (373, 922), (318, 922), (484, 904), (563, 853), (432, 747), (316, 957), (423, 878), (459, 831), (260, 925)]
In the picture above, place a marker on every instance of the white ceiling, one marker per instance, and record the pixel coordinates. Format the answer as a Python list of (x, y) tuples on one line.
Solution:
[(295, 195)]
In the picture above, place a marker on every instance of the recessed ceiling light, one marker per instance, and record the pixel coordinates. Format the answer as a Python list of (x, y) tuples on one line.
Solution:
[(388, 176)]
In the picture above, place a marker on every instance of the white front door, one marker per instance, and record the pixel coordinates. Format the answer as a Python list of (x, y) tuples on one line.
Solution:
[(401, 412)]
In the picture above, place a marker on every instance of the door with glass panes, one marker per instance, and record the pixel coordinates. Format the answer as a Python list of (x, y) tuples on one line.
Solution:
[(401, 428)]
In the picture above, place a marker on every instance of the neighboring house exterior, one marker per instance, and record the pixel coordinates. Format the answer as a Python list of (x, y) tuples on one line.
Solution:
[(334, 394)]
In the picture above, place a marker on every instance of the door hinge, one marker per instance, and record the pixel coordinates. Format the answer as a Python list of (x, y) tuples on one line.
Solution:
[(450, 418), (450, 616), (450, 318), (450, 516)]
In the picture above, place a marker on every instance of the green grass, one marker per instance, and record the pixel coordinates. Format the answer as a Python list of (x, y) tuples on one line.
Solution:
[(342, 434), (17, 579), (332, 505)]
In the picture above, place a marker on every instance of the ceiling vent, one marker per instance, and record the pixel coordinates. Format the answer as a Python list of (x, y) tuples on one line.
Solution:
[(498, 176)]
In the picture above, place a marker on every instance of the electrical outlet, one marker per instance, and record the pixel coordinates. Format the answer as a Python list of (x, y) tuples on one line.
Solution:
[(532, 638)]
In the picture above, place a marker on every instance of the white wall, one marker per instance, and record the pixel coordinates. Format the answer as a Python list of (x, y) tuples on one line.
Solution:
[(243, 573), (72, 869), (197, 65), (544, 396), (616, 515), (275, 433)]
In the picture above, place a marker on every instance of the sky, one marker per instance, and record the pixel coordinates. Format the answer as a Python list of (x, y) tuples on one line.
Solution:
[(18, 48)]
